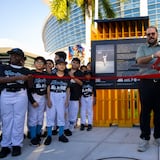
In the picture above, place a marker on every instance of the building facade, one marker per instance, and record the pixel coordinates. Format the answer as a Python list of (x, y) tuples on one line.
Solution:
[(60, 36)]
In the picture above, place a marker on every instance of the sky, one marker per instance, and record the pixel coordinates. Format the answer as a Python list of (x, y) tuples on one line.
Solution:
[(22, 21)]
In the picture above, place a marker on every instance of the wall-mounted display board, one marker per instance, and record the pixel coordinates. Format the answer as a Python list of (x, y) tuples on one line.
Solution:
[(115, 58)]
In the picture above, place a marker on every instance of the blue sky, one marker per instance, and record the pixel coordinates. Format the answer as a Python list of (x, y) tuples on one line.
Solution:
[(22, 21)]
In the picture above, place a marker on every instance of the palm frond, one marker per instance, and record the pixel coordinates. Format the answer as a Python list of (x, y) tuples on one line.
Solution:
[(59, 9), (107, 8)]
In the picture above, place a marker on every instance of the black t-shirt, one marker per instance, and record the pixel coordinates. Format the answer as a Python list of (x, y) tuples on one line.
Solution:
[(75, 88), (39, 84), (13, 70), (88, 88), (59, 84)]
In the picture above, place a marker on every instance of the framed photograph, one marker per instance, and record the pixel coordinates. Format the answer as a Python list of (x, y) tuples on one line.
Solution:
[(114, 59)]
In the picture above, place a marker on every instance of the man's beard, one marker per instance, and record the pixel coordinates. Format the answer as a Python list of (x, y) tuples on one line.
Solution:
[(152, 41)]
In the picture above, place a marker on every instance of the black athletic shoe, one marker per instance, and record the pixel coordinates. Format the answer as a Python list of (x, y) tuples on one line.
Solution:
[(63, 139), (67, 132), (1, 137), (44, 134), (38, 138), (16, 151), (48, 140), (35, 142), (4, 152), (89, 127), (28, 135), (82, 127)]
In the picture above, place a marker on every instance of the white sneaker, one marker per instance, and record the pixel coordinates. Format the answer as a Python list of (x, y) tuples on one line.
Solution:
[(143, 145), (157, 141)]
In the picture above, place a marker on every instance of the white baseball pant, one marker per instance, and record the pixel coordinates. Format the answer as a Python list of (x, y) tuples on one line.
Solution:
[(58, 107), (87, 109), (73, 113), (13, 109), (36, 114)]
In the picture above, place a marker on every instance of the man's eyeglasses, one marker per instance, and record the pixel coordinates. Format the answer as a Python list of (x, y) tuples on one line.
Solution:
[(151, 34)]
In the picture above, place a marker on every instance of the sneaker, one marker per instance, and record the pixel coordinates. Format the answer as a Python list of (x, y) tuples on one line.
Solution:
[(44, 134), (89, 127), (4, 152), (1, 137), (48, 140), (28, 135), (38, 138), (67, 132), (35, 142), (82, 127), (157, 141), (143, 145), (63, 139), (16, 151)]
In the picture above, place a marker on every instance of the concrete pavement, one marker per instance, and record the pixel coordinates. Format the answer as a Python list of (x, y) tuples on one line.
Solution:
[(111, 143)]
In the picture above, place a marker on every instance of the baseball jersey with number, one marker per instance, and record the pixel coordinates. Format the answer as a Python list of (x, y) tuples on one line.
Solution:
[(88, 88), (59, 84), (10, 71), (39, 85)]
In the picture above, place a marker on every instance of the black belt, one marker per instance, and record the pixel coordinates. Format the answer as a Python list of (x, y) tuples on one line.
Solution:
[(40, 94), (87, 95), (55, 91), (13, 89)]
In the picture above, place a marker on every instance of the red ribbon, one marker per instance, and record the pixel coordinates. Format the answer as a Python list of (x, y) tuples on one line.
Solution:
[(148, 76)]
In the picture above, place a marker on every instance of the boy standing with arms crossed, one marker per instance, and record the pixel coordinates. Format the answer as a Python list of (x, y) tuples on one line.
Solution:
[(76, 89)]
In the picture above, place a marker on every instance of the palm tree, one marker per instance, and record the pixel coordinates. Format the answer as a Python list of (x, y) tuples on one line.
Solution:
[(61, 8)]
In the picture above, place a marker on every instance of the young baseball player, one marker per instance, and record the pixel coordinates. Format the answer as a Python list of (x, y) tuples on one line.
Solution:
[(59, 55), (49, 66), (87, 100), (75, 89), (14, 102), (58, 93), (37, 101)]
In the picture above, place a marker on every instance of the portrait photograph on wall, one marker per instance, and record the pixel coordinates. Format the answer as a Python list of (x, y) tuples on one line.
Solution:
[(77, 51)]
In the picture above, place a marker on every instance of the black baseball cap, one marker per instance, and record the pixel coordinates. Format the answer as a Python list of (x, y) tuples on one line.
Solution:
[(61, 60), (18, 52), (76, 59)]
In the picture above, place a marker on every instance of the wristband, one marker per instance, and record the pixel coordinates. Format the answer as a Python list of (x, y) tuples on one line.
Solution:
[(152, 56)]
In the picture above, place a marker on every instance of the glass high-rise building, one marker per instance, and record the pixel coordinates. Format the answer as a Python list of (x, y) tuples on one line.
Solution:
[(59, 36)]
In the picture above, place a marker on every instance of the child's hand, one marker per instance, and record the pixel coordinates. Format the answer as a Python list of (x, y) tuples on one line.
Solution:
[(66, 103), (49, 103), (35, 104)]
